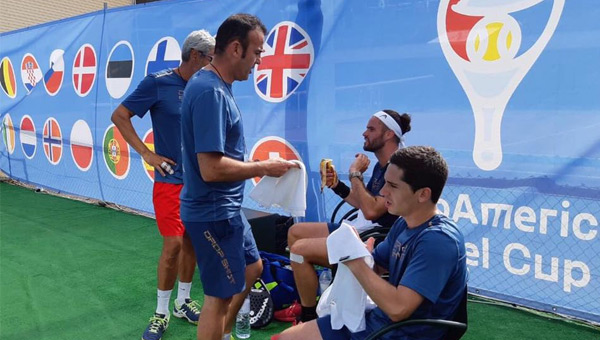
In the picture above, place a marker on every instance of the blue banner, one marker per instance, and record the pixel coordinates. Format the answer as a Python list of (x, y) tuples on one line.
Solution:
[(506, 90)]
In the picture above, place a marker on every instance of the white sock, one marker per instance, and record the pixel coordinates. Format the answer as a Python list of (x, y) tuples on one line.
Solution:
[(183, 292), (227, 336), (162, 301)]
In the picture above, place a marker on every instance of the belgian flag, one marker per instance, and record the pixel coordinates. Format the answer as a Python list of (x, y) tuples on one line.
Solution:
[(7, 78)]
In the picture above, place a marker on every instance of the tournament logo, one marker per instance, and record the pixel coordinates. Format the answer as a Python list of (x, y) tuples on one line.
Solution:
[(116, 152), (28, 137), (482, 42), (84, 70), (8, 133), (53, 79), (119, 69), (164, 54), (31, 74), (288, 56), (272, 147), (52, 141), (82, 145), (149, 141), (7, 78)]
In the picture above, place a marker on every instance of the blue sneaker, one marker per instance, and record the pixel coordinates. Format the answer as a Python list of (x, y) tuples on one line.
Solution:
[(190, 310), (157, 327)]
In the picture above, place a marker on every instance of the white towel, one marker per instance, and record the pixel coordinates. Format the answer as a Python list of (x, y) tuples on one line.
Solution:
[(345, 299), (287, 192)]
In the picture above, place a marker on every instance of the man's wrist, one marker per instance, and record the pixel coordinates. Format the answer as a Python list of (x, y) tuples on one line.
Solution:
[(355, 174), (341, 190)]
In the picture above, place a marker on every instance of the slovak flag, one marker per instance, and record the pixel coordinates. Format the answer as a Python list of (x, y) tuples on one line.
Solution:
[(288, 56)]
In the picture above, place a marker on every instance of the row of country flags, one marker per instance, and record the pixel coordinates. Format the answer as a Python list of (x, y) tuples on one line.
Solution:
[(115, 150), (118, 74), (288, 56)]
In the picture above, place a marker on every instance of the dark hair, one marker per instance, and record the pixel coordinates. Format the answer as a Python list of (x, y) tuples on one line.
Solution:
[(237, 27), (403, 121), (423, 167)]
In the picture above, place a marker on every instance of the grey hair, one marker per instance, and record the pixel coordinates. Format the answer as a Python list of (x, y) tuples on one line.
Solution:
[(200, 41)]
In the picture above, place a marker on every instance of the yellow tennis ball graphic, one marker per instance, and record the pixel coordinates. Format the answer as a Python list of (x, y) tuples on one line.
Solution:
[(494, 39)]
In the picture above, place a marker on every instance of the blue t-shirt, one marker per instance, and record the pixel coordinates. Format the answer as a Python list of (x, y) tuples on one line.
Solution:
[(210, 122), (161, 93), (374, 187), (430, 260)]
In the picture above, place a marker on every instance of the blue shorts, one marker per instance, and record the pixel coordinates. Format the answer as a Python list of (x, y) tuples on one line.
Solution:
[(223, 249), (333, 226), (344, 333)]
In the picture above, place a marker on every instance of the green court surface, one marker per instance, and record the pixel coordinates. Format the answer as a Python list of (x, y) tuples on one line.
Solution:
[(72, 270)]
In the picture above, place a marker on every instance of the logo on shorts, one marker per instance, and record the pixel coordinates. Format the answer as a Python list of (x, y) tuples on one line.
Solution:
[(220, 252)]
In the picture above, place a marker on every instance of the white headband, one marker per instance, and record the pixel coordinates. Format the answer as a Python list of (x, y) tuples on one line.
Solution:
[(391, 123)]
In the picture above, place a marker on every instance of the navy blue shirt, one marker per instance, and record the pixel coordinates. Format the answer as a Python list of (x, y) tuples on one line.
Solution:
[(161, 93), (210, 122), (430, 260), (374, 187)]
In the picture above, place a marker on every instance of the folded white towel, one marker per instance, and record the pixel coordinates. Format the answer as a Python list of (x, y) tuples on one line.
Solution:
[(345, 299), (287, 192)]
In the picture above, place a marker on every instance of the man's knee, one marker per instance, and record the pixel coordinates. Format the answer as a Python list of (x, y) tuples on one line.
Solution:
[(305, 230), (294, 233), (216, 305), (171, 248)]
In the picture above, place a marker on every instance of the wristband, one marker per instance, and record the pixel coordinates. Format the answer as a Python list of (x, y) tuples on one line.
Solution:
[(341, 190)]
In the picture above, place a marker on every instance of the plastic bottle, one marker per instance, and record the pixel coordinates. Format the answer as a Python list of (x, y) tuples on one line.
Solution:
[(242, 321), (324, 279)]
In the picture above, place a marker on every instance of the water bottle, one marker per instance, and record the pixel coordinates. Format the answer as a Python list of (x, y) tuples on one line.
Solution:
[(242, 321), (324, 279)]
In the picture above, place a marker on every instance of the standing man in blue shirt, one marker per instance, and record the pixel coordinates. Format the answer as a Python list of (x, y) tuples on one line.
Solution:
[(161, 93), (424, 254), (215, 172)]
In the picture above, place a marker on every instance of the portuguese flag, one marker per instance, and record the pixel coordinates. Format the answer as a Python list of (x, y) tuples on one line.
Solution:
[(116, 152)]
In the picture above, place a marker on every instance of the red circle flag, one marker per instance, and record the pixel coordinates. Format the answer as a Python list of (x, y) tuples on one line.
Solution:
[(82, 145), (273, 147)]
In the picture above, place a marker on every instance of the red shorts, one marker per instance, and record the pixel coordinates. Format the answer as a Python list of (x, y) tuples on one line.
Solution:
[(165, 197)]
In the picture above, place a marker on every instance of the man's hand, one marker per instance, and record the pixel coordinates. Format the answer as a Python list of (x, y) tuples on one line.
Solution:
[(277, 167), (160, 163), (332, 178), (370, 244), (361, 163)]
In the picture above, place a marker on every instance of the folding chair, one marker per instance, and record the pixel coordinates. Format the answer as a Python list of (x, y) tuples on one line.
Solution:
[(457, 327)]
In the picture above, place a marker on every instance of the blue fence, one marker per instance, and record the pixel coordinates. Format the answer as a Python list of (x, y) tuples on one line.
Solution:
[(507, 90)]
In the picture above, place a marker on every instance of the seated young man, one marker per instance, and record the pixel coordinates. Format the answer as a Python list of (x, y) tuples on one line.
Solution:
[(383, 136), (424, 254)]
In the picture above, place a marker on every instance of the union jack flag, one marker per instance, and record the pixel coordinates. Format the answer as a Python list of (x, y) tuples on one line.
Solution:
[(288, 56)]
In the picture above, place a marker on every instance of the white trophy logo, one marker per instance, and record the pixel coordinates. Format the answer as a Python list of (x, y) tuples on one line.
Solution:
[(480, 40)]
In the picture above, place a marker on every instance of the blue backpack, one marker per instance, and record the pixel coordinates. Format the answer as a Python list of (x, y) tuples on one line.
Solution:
[(278, 277)]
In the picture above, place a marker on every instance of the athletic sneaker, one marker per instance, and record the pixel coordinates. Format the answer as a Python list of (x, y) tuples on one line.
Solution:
[(190, 310), (289, 314), (157, 327)]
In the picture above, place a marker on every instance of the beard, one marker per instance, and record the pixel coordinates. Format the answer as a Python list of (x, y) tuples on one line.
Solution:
[(373, 145)]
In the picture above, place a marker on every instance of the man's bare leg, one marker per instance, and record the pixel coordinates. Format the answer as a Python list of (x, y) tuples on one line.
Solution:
[(313, 251), (212, 318), (303, 331), (253, 272)]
